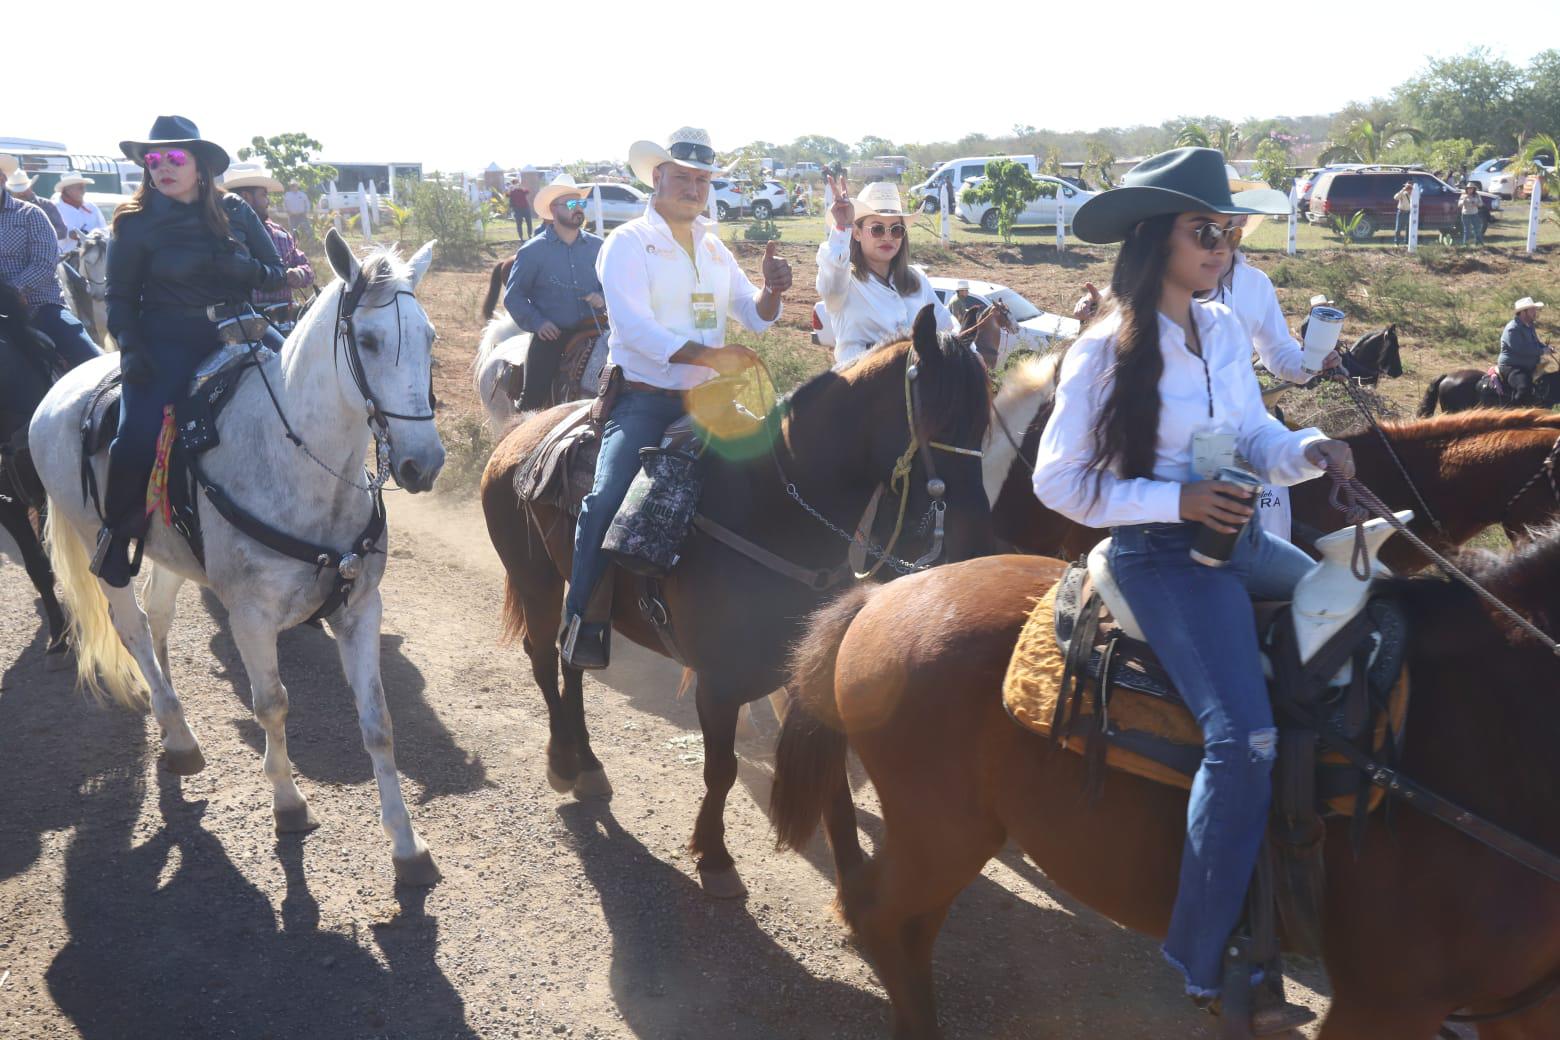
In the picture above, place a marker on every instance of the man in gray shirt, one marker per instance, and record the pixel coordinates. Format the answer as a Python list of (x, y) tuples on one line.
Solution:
[(1521, 349), (553, 289)]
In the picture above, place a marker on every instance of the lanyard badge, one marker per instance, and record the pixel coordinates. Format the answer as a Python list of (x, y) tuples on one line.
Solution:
[(704, 313), (1212, 450)]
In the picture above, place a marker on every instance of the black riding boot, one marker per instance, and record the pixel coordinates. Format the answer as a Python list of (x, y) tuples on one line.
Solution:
[(117, 558), (541, 368)]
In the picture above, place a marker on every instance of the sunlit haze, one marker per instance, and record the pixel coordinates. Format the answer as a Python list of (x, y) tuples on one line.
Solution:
[(458, 85)]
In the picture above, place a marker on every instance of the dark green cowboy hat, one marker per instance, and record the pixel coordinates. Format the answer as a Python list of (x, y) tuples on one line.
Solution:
[(178, 132), (1183, 180)]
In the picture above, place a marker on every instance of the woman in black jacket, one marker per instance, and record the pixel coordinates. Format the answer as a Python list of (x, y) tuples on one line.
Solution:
[(181, 245)]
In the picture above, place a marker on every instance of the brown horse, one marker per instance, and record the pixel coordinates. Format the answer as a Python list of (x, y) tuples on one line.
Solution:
[(1424, 921), (1469, 468), (841, 435)]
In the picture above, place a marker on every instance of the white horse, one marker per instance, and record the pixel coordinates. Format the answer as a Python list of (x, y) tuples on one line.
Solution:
[(360, 361), (502, 342), (85, 283)]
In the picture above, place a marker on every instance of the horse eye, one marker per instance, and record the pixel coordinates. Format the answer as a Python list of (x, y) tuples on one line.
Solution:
[(370, 341)]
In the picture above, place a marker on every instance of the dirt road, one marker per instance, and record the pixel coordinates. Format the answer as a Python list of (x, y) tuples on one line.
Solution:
[(134, 904)]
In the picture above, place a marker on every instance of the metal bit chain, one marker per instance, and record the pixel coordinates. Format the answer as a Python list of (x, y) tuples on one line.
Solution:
[(372, 482), (872, 547)]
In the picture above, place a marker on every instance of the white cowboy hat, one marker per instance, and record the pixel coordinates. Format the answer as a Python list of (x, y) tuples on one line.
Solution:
[(71, 180), (961, 284), (688, 146), (562, 185), (17, 181), (879, 199), (8, 164), (1526, 302), (250, 175), (1321, 300)]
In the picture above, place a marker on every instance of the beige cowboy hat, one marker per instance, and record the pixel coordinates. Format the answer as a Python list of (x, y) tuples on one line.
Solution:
[(1525, 303), (1247, 193), (688, 146), (879, 199), (8, 164), (17, 181), (72, 180), (250, 175), (562, 186)]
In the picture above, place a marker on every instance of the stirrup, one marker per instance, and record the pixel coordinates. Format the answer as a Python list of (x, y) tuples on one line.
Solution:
[(116, 568), (587, 654)]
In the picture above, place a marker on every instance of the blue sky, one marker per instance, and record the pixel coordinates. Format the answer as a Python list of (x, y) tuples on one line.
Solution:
[(456, 85)]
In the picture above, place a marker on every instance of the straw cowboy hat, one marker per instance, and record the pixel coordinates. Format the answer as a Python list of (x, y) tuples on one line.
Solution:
[(1525, 303), (250, 175), (879, 199), (688, 146), (178, 132), (1182, 180), (1242, 190), (563, 185), (17, 181), (72, 180)]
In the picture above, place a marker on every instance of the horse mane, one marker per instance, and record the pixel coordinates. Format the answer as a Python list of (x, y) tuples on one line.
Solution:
[(1472, 423), (383, 269)]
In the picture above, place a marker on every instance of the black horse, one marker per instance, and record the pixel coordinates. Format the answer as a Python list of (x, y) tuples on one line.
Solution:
[(1373, 355), (1474, 388), (28, 373)]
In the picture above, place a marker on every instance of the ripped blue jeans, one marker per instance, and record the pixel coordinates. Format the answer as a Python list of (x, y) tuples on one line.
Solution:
[(1199, 621)]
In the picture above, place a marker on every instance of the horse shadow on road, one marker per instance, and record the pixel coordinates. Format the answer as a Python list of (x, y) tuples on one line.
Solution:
[(323, 738), (169, 939), (684, 967)]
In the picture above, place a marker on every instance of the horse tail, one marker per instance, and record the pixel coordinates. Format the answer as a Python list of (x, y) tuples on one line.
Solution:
[(495, 289), (1431, 399), (104, 666), (810, 756), (513, 623)]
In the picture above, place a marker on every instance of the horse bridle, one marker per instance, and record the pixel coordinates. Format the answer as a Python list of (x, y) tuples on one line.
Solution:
[(347, 306), (1545, 469)]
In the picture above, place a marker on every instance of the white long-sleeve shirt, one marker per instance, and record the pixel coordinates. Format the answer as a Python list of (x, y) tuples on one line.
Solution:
[(866, 312), (649, 282), (83, 219), (1250, 295), (1221, 395)]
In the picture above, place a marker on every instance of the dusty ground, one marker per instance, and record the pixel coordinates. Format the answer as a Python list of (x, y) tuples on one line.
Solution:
[(134, 904)]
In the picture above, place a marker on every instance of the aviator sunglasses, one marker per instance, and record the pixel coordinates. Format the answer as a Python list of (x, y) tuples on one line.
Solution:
[(891, 230), (173, 156), (688, 151), (1210, 234), (574, 203)]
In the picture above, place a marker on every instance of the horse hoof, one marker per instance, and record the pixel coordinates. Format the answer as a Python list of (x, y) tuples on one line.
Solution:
[(723, 884), (183, 763), (295, 821), (57, 657), (593, 784), (558, 782), (417, 871)]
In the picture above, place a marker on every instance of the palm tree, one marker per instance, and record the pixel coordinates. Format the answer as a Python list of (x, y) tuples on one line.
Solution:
[(1192, 135), (1367, 140), (1542, 147)]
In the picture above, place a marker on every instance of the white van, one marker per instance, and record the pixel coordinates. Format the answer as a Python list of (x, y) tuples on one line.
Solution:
[(956, 171)]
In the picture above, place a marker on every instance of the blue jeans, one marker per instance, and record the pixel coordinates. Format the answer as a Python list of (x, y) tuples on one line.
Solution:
[(65, 329), (1473, 227), (1400, 227), (637, 421), (1198, 619)]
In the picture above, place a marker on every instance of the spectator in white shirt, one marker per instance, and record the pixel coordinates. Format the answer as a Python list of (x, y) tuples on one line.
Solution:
[(671, 285), (79, 215), (295, 203), (868, 286)]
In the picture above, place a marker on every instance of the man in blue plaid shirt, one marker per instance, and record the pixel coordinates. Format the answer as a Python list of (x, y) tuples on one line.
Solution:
[(28, 255)]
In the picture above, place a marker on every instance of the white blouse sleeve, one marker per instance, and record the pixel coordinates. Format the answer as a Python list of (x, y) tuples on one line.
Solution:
[(1276, 451), (1063, 480), (1281, 354), (833, 281)]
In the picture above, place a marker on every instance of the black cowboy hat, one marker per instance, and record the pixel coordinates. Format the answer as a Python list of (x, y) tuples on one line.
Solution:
[(178, 132), (1183, 180)]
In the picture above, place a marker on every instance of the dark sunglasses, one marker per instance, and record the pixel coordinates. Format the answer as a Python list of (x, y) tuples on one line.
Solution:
[(173, 156), (1209, 235), (879, 230), (688, 151)]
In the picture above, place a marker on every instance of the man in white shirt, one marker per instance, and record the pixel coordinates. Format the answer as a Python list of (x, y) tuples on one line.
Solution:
[(670, 285), (295, 203), (79, 215)]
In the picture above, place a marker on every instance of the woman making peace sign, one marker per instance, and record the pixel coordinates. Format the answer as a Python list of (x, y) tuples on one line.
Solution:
[(868, 287)]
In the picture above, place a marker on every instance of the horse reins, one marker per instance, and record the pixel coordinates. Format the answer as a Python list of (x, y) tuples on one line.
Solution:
[(1386, 442), (1545, 469)]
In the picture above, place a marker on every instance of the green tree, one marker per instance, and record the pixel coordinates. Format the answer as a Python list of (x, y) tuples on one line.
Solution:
[(870, 146), (1098, 163), (1193, 135), (1275, 165), (287, 157), (1542, 148), (443, 211), (823, 149), (1367, 140), (1538, 100), (1008, 187), (1473, 95)]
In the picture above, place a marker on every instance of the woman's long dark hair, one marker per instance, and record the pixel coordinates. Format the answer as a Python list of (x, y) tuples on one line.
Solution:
[(903, 280), (209, 202), (1128, 430)]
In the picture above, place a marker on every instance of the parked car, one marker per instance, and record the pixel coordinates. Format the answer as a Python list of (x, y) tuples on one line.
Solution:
[(799, 170), (1372, 192), (1037, 329), (1496, 176), (768, 200), (620, 203), (1039, 213), (928, 194), (730, 200)]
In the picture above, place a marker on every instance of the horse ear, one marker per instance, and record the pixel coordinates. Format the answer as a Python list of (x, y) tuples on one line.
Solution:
[(340, 256), (421, 261), (924, 335)]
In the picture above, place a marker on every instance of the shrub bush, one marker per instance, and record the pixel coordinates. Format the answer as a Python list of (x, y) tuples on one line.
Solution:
[(442, 211)]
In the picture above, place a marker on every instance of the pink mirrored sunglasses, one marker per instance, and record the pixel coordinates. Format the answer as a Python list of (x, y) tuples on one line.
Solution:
[(175, 156)]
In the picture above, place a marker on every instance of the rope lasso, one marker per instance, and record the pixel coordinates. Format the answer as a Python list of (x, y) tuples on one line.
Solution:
[(1358, 504)]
